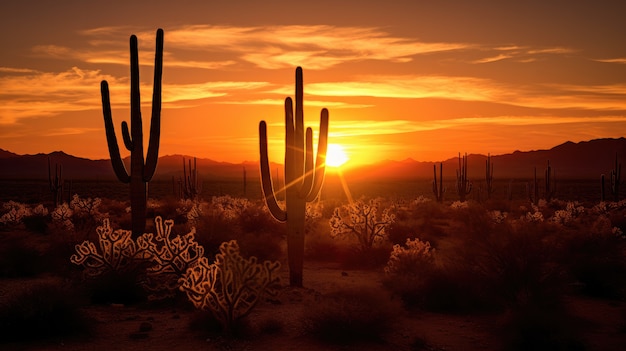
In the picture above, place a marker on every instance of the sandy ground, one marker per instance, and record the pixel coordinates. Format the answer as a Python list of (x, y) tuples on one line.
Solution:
[(166, 328)]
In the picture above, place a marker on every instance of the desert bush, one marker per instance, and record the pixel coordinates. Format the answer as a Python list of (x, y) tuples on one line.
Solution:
[(596, 258), (20, 256), (362, 221), (352, 316), (155, 262), (44, 310), (410, 260), (231, 286)]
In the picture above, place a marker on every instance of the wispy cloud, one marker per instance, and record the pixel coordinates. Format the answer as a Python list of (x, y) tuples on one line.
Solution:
[(543, 96), (520, 54), (371, 127), (620, 60), (274, 47), (69, 131), (317, 103)]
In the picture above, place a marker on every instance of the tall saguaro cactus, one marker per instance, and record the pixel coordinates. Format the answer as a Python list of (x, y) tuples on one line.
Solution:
[(141, 171), (56, 182), (303, 178)]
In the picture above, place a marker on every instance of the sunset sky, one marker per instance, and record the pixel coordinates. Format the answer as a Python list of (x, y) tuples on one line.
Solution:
[(418, 79)]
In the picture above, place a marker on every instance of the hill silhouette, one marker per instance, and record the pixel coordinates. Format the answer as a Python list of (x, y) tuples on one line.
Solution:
[(583, 160)]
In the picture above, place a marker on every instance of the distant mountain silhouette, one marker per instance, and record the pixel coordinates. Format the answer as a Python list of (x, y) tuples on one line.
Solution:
[(583, 160)]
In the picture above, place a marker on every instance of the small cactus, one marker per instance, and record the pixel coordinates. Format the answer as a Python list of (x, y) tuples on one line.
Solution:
[(616, 178), (56, 183), (141, 171), (190, 184), (489, 176), (463, 185), (550, 183), (438, 188)]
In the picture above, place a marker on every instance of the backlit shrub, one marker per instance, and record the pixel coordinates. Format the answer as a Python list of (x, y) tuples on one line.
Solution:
[(231, 286)]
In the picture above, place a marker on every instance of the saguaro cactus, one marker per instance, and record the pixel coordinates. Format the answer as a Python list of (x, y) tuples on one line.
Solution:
[(191, 185), (56, 182), (550, 183), (463, 185), (303, 179), (489, 176), (140, 172), (438, 188), (616, 178)]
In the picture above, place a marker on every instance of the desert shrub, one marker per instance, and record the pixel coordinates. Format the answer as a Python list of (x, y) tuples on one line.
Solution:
[(155, 262), (374, 258), (351, 316), (362, 221), (231, 286), (44, 310), (596, 259), (19, 255), (410, 260)]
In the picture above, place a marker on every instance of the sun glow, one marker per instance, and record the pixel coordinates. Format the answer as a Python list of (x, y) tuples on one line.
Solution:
[(336, 155)]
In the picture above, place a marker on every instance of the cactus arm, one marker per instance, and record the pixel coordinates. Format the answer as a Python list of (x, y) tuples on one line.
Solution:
[(114, 151), (266, 178), (128, 142), (152, 155), (320, 162), (290, 152)]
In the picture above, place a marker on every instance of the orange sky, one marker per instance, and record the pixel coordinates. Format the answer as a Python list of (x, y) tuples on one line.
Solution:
[(401, 79)]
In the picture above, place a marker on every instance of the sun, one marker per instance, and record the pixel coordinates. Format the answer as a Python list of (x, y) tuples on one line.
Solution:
[(336, 155)]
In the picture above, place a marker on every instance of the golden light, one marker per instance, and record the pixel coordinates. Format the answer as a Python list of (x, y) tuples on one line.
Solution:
[(336, 155)]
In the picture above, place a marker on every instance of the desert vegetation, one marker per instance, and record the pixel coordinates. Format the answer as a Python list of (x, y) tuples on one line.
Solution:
[(525, 265)]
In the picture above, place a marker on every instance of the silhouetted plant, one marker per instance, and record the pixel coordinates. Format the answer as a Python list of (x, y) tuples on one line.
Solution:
[(303, 178), (56, 183), (616, 179), (463, 185), (362, 221), (533, 189), (191, 184), (408, 261), (140, 172), (489, 177), (438, 188), (171, 257), (232, 286), (550, 183)]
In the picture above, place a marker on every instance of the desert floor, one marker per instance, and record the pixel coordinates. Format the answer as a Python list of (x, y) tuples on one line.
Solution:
[(167, 327)]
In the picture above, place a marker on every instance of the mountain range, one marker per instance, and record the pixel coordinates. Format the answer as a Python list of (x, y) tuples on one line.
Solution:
[(582, 160)]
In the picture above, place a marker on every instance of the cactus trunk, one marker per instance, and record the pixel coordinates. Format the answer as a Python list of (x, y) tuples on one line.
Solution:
[(141, 171), (303, 176)]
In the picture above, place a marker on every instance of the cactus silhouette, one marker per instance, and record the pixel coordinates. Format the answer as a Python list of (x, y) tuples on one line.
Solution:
[(56, 182), (303, 179), (489, 176), (140, 172), (191, 185), (550, 183), (463, 185), (616, 179), (438, 188)]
